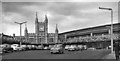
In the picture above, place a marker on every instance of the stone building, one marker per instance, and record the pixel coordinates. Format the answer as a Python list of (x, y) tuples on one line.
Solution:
[(41, 34)]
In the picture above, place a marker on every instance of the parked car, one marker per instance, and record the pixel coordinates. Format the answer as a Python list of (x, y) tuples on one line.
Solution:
[(5, 48), (71, 48), (33, 47), (24, 47), (29, 47), (67, 47), (77, 48), (58, 48), (40, 47), (85, 47), (46, 48), (50, 46), (17, 47), (91, 48), (81, 47)]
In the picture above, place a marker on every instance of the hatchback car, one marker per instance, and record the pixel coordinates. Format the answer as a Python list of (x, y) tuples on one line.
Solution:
[(71, 48), (7, 50), (46, 48), (40, 47), (67, 47), (57, 49), (17, 47)]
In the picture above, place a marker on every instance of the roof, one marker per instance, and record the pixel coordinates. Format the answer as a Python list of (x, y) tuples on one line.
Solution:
[(92, 28)]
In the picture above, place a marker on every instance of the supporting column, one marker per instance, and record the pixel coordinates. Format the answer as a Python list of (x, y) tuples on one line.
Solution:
[(109, 32), (91, 34)]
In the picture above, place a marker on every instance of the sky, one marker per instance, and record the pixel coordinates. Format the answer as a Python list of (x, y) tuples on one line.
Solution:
[(67, 15)]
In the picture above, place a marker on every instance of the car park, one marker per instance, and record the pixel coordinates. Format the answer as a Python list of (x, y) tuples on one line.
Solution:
[(58, 48)]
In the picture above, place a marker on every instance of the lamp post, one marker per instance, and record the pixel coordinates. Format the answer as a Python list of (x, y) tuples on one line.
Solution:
[(20, 30), (111, 32)]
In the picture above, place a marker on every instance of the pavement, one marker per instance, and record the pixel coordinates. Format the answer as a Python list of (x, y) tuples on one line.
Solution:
[(110, 56)]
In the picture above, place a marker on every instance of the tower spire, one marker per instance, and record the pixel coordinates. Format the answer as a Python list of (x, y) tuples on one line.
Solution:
[(56, 29), (46, 19), (36, 15), (25, 25), (36, 24), (56, 35), (46, 28), (36, 20), (26, 31)]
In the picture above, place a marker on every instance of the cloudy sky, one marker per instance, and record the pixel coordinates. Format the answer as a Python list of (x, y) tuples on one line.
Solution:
[(68, 15)]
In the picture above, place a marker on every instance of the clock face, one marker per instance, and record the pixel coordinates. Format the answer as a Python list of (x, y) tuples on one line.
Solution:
[(41, 28)]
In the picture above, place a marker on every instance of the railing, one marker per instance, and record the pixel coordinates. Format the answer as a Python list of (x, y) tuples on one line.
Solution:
[(93, 38)]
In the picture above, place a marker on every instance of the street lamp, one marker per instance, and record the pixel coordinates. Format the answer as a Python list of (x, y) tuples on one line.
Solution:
[(111, 25), (20, 29)]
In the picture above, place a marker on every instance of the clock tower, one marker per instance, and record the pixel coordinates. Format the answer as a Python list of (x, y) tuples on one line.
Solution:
[(41, 30)]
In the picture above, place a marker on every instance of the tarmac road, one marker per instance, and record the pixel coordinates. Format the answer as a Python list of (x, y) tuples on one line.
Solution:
[(45, 54), (0, 57)]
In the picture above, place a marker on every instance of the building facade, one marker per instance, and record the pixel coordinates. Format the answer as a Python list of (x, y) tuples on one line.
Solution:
[(41, 34)]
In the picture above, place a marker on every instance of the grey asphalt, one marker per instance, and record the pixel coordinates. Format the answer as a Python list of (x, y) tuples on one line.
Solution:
[(0, 57), (45, 54)]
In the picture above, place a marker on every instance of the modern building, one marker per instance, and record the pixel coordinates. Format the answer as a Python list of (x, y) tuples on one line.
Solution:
[(41, 35), (98, 36)]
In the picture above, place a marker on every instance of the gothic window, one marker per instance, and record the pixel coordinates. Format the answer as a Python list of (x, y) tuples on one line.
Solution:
[(51, 39)]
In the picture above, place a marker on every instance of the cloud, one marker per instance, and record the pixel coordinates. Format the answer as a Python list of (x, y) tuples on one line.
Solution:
[(68, 15), (60, 0)]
